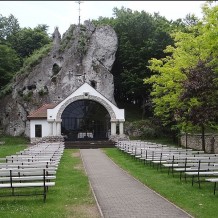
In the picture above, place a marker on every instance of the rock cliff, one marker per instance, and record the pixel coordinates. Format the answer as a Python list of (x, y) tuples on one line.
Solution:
[(83, 54)]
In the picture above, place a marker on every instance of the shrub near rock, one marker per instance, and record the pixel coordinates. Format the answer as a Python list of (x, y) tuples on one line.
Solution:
[(145, 129)]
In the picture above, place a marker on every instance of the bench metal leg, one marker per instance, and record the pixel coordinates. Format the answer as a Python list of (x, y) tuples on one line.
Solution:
[(185, 176), (172, 171), (169, 171), (44, 195), (199, 183), (199, 180)]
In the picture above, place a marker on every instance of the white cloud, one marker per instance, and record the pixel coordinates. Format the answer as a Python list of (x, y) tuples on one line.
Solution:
[(170, 9)]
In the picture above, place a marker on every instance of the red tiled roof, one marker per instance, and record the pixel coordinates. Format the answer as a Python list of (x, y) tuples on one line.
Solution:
[(41, 113)]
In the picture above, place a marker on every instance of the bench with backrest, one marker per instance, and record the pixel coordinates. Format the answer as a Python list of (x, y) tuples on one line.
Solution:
[(33, 167), (203, 170), (166, 157), (184, 161), (131, 145), (187, 162), (26, 178), (193, 165), (161, 155)]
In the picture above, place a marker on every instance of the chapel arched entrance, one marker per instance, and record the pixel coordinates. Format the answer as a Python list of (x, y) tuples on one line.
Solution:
[(85, 120)]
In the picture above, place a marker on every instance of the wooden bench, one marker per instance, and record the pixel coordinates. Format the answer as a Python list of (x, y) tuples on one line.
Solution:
[(31, 168), (184, 163), (26, 178), (214, 180), (161, 156), (202, 171)]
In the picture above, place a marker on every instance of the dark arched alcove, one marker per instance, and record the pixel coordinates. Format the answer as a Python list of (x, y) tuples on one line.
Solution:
[(85, 120)]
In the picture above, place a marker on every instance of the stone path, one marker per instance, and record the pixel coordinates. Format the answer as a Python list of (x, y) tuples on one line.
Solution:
[(120, 195)]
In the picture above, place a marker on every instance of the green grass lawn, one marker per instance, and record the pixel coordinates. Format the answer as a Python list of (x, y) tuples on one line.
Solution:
[(12, 145), (70, 197), (198, 202)]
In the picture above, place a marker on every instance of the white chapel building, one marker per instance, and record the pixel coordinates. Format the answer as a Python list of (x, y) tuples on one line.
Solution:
[(84, 115)]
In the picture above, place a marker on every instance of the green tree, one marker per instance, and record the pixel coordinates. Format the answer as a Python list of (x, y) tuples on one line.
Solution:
[(42, 28), (17, 44), (177, 74), (27, 40), (8, 27), (141, 36), (10, 63), (200, 96)]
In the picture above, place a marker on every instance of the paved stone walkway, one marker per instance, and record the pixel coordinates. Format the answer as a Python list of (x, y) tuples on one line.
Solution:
[(120, 195)]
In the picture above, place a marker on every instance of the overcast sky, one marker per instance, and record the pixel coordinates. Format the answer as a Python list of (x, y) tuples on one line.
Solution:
[(64, 13)]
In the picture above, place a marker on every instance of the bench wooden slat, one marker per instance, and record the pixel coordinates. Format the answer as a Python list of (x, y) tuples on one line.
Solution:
[(26, 178), (27, 173), (25, 185), (31, 184)]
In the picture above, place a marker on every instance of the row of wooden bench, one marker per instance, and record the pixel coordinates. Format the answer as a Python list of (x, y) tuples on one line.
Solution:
[(33, 167), (195, 164)]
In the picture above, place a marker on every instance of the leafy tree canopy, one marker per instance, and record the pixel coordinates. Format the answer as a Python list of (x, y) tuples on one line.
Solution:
[(141, 36), (16, 44), (200, 95), (8, 27), (10, 63), (27, 40), (185, 83)]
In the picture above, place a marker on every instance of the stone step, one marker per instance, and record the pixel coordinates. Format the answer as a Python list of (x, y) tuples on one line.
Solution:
[(89, 144)]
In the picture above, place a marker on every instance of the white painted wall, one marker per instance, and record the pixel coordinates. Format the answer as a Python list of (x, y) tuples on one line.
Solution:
[(45, 127), (52, 113)]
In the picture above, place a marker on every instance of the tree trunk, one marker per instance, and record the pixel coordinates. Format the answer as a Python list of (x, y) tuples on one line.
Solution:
[(203, 137), (186, 140), (143, 107)]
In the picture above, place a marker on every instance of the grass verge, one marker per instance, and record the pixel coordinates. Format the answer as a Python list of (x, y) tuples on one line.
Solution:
[(198, 202), (12, 145), (70, 197)]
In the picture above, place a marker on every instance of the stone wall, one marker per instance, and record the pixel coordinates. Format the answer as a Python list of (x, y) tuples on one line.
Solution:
[(195, 141), (47, 139)]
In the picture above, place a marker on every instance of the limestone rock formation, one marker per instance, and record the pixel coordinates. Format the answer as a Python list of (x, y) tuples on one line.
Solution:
[(83, 54)]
